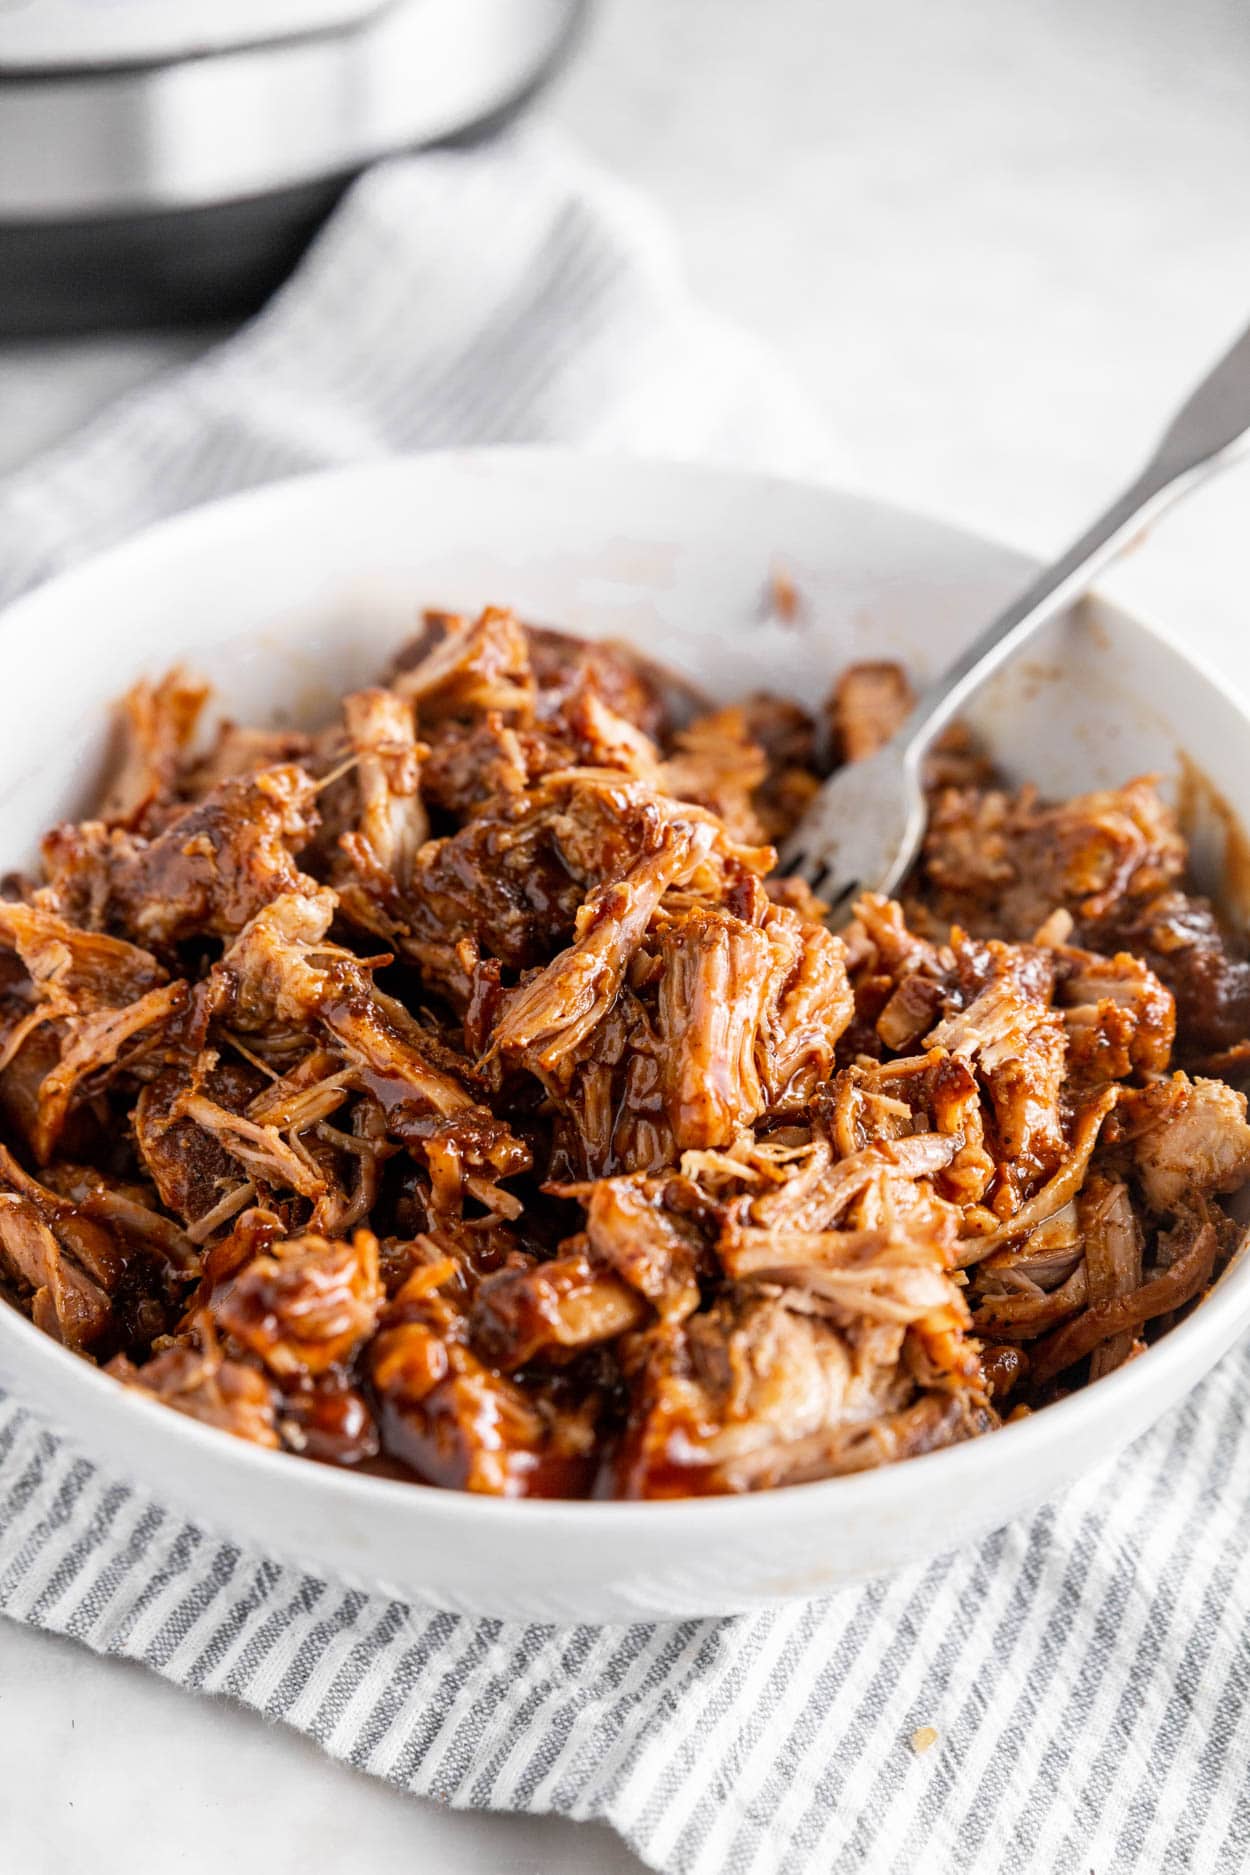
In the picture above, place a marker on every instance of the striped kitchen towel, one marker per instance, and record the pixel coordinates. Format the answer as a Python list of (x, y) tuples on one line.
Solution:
[(1071, 1696)]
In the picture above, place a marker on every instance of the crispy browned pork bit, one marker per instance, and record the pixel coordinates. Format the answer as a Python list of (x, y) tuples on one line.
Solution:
[(457, 1090)]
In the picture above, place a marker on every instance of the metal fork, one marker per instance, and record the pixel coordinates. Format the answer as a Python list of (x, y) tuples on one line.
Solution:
[(864, 828)]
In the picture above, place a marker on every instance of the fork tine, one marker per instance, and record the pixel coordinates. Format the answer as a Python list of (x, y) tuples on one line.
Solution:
[(815, 870), (838, 893), (840, 907), (862, 830), (803, 862)]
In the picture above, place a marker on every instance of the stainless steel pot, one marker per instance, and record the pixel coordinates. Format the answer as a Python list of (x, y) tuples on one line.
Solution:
[(163, 161)]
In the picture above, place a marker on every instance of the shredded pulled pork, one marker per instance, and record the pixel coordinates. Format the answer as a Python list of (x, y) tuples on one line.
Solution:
[(457, 1091)]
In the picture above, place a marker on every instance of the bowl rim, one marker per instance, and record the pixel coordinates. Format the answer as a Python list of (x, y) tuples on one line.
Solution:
[(1195, 1344)]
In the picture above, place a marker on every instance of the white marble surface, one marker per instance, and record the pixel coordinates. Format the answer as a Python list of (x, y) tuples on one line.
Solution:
[(995, 243), (109, 1769)]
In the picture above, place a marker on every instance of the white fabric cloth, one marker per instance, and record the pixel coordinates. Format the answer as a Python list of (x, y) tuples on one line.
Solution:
[(1088, 1672), (511, 294)]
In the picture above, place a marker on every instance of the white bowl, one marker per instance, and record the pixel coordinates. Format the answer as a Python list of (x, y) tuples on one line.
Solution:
[(288, 596)]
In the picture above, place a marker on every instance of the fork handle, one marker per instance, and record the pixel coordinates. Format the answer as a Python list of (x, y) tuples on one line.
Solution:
[(1209, 431)]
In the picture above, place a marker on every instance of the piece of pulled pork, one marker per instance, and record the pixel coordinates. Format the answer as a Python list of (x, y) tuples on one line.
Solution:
[(457, 1091)]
